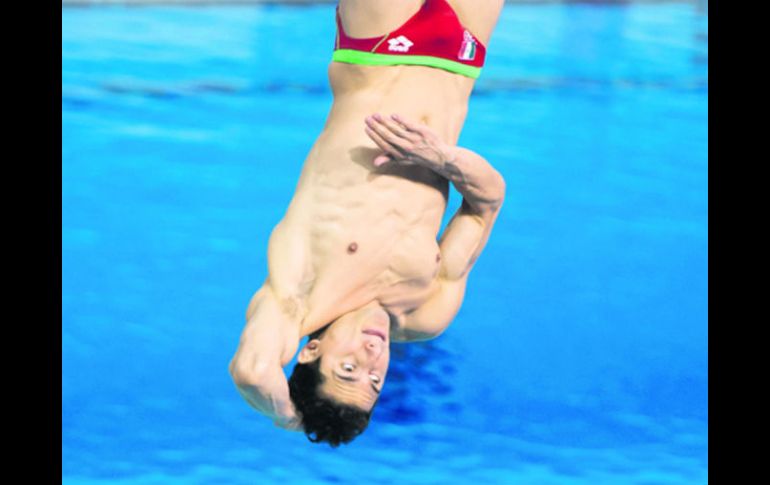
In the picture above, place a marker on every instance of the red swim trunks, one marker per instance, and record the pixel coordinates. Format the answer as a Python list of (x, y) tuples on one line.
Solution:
[(432, 37)]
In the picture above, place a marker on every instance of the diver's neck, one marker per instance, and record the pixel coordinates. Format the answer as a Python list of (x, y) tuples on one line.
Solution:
[(311, 326)]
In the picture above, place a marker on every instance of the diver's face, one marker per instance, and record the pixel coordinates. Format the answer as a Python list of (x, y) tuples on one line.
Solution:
[(355, 353)]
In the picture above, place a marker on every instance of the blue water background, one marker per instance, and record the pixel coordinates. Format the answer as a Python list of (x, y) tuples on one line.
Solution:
[(580, 353)]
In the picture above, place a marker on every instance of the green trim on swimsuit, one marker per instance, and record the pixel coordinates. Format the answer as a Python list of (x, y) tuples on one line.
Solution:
[(376, 59)]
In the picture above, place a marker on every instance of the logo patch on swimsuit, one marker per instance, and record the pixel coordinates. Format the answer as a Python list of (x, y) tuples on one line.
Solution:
[(468, 47), (400, 44)]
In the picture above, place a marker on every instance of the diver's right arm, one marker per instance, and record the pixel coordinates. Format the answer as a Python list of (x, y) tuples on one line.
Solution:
[(269, 341)]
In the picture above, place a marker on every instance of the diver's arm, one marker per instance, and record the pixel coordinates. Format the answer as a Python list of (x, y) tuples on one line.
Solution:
[(267, 343), (482, 187), (466, 235), (462, 242)]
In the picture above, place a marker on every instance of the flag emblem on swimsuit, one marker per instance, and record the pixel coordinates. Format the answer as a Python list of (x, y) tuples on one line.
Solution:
[(400, 44), (468, 47)]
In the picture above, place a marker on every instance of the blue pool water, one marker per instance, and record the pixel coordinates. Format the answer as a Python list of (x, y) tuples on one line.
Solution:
[(580, 353)]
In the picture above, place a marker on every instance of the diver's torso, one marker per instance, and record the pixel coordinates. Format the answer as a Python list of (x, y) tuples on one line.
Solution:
[(354, 233)]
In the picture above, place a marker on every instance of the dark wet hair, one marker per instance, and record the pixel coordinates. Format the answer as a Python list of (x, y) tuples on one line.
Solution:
[(324, 419)]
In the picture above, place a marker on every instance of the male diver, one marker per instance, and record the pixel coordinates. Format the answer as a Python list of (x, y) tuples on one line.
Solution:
[(355, 263)]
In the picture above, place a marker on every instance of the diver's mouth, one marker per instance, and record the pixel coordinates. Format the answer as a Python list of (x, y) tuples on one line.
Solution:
[(376, 333)]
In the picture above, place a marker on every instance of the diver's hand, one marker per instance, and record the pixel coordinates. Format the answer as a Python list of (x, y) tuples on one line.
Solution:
[(267, 391), (405, 141)]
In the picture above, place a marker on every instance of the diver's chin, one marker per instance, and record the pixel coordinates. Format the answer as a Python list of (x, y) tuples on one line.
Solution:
[(380, 319)]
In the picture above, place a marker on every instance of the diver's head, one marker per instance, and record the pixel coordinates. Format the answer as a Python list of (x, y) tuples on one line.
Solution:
[(339, 375)]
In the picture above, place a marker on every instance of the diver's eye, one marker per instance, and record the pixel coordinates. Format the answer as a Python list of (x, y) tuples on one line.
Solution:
[(374, 378), (348, 367)]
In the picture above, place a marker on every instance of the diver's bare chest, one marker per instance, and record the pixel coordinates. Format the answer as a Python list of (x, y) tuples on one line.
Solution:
[(396, 270)]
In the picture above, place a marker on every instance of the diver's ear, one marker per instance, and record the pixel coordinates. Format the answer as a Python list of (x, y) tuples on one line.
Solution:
[(310, 352)]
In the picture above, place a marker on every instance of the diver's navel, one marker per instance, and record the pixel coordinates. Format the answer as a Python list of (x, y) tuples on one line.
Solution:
[(438, 257)]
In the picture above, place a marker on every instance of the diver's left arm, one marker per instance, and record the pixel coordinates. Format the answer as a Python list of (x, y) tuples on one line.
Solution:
[(466, 235), (462, 242)]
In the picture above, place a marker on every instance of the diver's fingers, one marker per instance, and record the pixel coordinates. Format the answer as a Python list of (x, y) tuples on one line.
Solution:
[(291, 420), (408, 125), (397, 129), (374, 123), (382, 143), (294, 425), (381, 159)]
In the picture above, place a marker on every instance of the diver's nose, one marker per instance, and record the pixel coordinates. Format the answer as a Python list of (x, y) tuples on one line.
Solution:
[(374, 347)]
